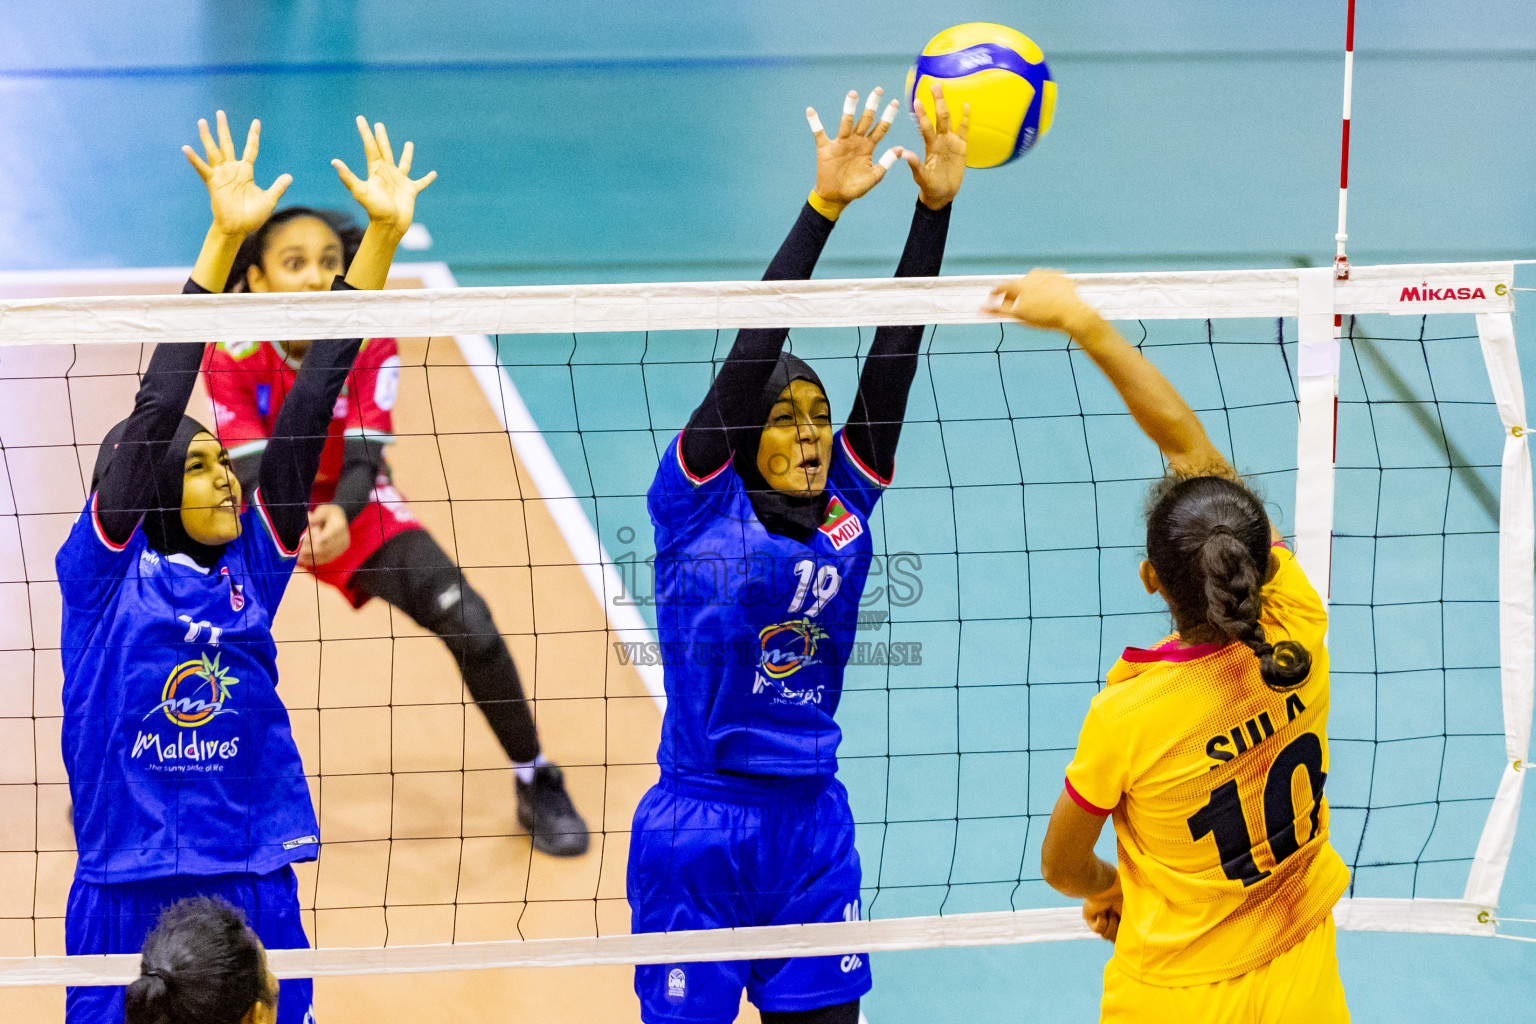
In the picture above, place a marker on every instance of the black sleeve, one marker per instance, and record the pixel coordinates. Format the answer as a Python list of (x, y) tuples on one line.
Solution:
[(725, 418), (874, 425), (248, 472), (361, 460), (127, 489), (292, 455)]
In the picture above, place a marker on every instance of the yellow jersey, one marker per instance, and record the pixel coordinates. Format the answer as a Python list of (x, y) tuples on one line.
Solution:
[(1216, 786)]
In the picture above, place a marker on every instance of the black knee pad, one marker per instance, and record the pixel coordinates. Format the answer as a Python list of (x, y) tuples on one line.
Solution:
[(461, 617)]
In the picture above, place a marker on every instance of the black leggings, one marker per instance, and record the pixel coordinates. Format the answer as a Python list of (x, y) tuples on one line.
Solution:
[(412, 573), (842, 1013)]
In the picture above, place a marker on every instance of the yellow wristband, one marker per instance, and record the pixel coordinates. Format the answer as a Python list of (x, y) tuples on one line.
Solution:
[(829, 210)]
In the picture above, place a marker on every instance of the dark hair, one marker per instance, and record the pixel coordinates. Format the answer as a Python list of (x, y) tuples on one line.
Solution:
[(255, 245), (201, 965), (1208, 541)]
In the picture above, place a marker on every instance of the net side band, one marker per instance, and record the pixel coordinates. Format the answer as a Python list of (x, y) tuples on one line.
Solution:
[(1399, 289)]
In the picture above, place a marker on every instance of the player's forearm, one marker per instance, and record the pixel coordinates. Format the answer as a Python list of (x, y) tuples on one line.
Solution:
[(217, 256), (292, 455), (880, 407), (127, 487), (1081, 878), (370, 267), (363, 458), (1159, 410)]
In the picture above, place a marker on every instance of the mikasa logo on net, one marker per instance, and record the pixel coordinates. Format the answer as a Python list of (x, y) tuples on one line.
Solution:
[(1424, 293)]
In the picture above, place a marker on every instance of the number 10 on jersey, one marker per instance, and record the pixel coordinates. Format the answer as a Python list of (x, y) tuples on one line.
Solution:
[(1223, 818)]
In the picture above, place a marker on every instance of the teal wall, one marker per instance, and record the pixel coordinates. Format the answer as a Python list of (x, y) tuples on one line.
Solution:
[(584, 142)]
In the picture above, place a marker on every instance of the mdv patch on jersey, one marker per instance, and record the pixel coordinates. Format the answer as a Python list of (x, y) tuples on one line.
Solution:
[(842, 527)]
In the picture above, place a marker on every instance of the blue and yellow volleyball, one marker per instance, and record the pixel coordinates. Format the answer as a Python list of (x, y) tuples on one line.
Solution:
[(1002, 74)]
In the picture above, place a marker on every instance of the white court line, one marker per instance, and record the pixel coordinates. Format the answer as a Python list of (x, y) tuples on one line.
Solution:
[(552, 484)]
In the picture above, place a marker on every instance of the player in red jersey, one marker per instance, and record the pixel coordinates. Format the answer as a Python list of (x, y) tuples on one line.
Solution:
[(363, 539)]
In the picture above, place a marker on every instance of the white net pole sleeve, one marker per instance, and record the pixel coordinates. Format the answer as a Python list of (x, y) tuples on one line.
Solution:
[(1317, 389), (1517, 607)]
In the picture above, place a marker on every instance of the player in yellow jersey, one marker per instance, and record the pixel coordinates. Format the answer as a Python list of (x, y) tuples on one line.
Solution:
[(1210, 748)]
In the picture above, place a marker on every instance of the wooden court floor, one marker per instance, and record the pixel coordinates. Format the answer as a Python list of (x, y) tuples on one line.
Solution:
[(415, 797)]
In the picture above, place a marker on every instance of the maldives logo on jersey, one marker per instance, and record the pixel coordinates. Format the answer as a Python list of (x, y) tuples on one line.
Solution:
[(787, 647), (193, 695), (841, 526), (195, 692)]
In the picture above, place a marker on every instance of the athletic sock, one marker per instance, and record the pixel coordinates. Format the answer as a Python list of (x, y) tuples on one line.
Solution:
[(524, 769)]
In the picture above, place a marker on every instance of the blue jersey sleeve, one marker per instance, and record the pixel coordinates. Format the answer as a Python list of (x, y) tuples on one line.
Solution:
[(681, 504), (90, 567), (856, 482), (269, 564)]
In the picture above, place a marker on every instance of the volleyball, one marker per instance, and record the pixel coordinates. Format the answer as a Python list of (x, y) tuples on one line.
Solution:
[(1002, 74)]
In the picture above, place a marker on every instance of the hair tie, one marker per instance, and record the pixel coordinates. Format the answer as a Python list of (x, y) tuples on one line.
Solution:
[(1222, 528), (151, 972)]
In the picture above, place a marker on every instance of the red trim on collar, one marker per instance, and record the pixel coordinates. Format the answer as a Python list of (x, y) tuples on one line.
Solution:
[(1084, 803), (1140, 655)]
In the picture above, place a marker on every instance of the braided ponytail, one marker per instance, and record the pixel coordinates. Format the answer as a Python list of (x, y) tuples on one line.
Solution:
[(1208, 541)]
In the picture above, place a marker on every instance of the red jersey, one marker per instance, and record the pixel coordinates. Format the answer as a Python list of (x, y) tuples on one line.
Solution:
[(248, 381)]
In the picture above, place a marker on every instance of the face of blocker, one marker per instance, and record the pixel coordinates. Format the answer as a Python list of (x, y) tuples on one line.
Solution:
[(302, 255), (795, 450), (210, 493)]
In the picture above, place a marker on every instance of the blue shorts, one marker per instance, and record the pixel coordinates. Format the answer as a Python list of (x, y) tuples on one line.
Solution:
[(117, 918), (702, 859)]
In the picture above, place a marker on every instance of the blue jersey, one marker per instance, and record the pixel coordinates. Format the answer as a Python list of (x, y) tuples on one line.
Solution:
[(755, 628), (180, 757)]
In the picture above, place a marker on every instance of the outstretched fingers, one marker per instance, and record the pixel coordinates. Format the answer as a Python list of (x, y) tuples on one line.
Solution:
[(423, 181), (210, 148), (203, 170), (886, 120), (816, 126), (347, 177), (275, 191), (382, 136), (370, 145), (867, 119), (850, 104), (940, 110), (965, 121), (226, 143), (924, 125), (252, 142)]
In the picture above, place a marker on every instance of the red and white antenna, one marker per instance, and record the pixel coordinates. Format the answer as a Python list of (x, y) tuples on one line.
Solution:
[(1341, 261)]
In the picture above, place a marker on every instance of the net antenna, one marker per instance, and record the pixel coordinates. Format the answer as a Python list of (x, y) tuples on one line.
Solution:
[(1340, 260)]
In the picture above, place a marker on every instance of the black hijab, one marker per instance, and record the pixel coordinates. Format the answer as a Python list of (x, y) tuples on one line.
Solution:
[(785, 514), (162, 523)]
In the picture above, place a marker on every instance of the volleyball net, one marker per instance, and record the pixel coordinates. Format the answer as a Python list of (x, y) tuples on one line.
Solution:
[(529, 423)]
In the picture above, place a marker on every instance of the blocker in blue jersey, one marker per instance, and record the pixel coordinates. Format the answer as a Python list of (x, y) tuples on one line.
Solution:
[(763, 548), (183, 770)]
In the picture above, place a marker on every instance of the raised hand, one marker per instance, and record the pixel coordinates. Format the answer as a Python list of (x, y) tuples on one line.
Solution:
[(389, 194), (845, 165), (939, 173), (1046, 299), (240, 206)]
